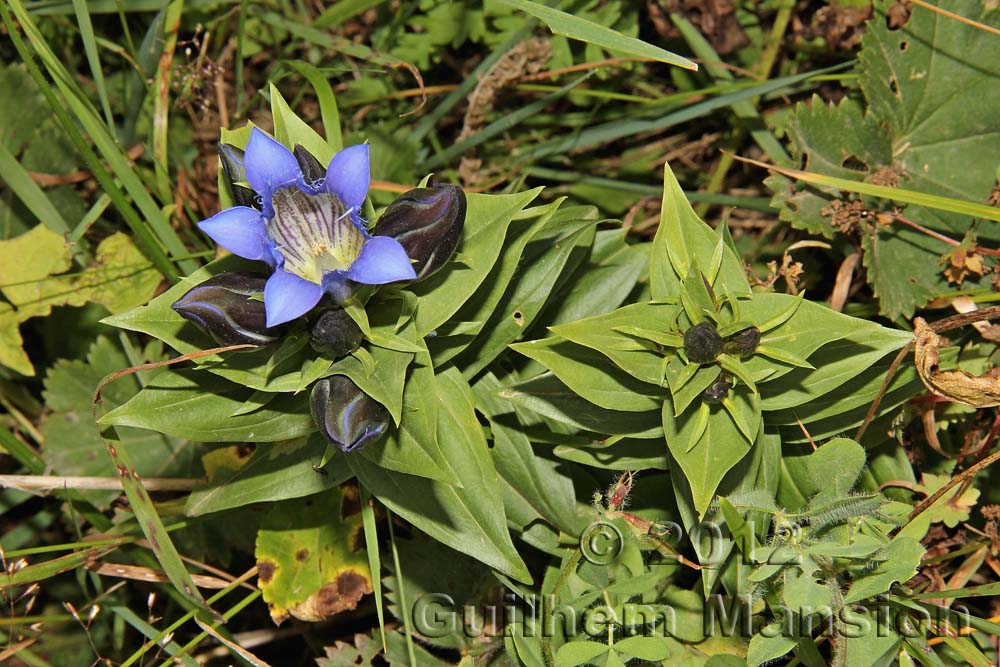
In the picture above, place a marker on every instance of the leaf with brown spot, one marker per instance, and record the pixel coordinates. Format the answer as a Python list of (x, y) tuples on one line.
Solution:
[(310, 565), (980, 391)]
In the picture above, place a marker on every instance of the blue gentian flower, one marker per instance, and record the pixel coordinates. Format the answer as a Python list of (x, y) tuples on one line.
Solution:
[(309, 232)]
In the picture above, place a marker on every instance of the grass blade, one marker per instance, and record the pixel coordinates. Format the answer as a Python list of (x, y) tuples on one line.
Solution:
[(93, 57), (31, 195), (161, 97), (328, 109), (374, 561), (505, 123), (618, 129), (120, 166), (938, 202), (583, 30)]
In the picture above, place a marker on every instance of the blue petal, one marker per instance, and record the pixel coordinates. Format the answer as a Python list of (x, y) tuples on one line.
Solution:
[(349, 175), (269, 165), (241, 230), (286, 296), (339, 286), (382, 260)]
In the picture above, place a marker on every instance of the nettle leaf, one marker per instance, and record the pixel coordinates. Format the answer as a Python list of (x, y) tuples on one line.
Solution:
[(467, 516), (72, 444), (931, 114), (254, 368), (487, 220), (310, 557), (203, 407)]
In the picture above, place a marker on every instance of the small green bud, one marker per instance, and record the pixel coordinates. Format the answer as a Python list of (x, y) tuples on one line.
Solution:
[(743, 343), (428, 223), (702, 343), (716, 391), (223, 306), (334, 334), (348, 417)]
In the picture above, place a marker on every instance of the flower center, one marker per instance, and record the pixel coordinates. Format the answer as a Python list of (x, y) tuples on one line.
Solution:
[(314, 233)]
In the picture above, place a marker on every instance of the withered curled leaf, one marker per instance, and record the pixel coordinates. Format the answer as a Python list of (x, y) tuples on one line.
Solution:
[(980, 391)]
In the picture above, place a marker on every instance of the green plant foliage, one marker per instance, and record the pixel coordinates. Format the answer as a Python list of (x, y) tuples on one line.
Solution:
[(693, 436), (931, 98)]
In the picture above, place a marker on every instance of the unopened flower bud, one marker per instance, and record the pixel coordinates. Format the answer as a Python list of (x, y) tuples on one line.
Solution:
[(347, 416), (716, 391), (428, 223), (311, 168), (744, 343), (702, 343), (223, 306), (335, 334), (233, 171)]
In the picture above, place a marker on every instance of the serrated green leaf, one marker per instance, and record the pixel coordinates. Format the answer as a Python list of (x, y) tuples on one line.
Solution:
[(900, 560)]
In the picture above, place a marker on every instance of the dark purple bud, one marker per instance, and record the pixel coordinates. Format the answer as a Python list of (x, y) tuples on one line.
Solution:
[(232, 168), (223, 306), (744, 343), (335, 334), (716, 391), (428, 223), (311, 168), (702, 343), (347, 416)]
